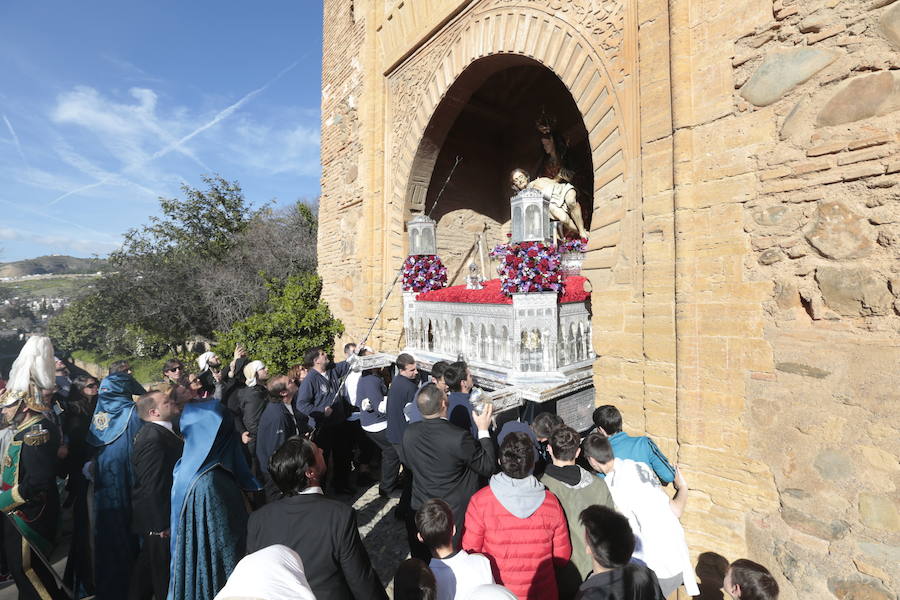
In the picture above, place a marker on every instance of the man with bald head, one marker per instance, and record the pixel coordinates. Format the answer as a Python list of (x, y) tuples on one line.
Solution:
[(445, 460), (157, 447)]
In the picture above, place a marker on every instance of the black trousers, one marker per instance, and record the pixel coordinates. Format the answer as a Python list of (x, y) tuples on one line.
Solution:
[(32, 577), (403, 507), (390, 461), (336, 442), (364, 450), (79, 573), (150, 577)]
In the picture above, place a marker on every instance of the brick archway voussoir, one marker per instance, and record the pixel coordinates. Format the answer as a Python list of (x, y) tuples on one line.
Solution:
[(550, 41)]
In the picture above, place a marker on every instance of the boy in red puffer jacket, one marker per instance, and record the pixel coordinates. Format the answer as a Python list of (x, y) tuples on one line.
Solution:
[(519, 525)]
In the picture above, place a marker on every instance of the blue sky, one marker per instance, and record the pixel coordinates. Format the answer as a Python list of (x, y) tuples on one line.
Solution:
[(107, 105)]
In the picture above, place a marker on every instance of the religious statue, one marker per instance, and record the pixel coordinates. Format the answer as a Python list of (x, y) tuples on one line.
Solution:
[(564, 207), (474, 279), (554, 148)]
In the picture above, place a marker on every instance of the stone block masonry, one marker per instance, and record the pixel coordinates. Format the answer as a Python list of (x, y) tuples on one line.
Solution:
[(745, 243)]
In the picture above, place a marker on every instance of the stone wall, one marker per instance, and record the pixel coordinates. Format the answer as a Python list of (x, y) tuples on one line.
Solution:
[(744, 245), (824, 227)]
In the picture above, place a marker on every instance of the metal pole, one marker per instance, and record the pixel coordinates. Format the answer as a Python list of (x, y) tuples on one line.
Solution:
[(390, 288)]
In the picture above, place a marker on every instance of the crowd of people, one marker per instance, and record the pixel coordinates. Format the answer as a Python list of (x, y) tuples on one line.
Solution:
[(229, 482)]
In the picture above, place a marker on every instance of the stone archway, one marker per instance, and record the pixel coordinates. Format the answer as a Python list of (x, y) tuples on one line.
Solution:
[(516, 34)]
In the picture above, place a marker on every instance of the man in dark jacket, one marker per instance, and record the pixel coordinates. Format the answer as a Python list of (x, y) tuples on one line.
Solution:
[(156, 450), (279, 421), (402, 392), (324, 532), (318, 399), (371, 400), (612, 543), (445, 460), (458, 379)]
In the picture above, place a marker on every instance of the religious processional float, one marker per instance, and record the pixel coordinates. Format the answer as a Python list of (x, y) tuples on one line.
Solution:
[(525, 335)]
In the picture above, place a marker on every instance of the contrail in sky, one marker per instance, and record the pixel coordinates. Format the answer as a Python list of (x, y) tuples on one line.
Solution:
[(223, 114), (15, 138)]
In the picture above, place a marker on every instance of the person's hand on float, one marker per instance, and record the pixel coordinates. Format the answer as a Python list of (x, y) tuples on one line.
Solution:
[(483, 421)]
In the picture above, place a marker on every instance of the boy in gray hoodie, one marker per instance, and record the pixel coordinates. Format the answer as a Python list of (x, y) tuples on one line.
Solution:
[(576, 489)]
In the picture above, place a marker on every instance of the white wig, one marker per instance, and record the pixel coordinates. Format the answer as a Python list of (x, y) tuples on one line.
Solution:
[(34, 364)]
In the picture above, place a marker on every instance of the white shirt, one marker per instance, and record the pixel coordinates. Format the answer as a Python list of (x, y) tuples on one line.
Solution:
[(459, 574), (659, 537), (313, 490), (350, 384), (166, 424)]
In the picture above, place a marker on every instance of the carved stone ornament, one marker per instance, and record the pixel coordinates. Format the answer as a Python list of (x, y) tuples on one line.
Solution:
[(601, 23)]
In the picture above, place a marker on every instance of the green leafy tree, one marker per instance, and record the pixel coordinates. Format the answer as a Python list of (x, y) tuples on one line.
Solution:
[(83, 325), (156, 283), (203, 224), (278, 243), (296, 319)]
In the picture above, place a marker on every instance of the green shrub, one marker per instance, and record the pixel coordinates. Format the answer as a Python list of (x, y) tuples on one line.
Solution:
[(295, 320)]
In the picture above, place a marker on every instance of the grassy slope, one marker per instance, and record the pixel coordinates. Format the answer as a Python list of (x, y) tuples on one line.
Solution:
[(146, 370), (52, 287), (51, 264)]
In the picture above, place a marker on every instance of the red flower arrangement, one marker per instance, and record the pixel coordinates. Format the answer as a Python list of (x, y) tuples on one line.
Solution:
[(573, 245), (528, 267), (423, 273)]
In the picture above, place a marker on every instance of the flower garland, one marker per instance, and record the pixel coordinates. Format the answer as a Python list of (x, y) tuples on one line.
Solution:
[(423, 273), (528, 267), (573, 245)]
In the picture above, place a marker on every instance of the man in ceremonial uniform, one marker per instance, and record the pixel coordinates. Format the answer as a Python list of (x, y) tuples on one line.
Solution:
[(28, 492)]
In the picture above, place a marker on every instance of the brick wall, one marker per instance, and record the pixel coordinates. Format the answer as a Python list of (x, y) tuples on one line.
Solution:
[(342, 225)]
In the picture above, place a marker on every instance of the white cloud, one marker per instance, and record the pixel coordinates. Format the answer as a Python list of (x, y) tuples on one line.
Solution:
[(276, 150), (73, 159), (59, 244), (129, 69), (129, 130), (19, 206)]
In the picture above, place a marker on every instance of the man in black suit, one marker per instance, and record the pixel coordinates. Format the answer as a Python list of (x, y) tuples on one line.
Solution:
[(445, 460), (321, 530), (156, 450)]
